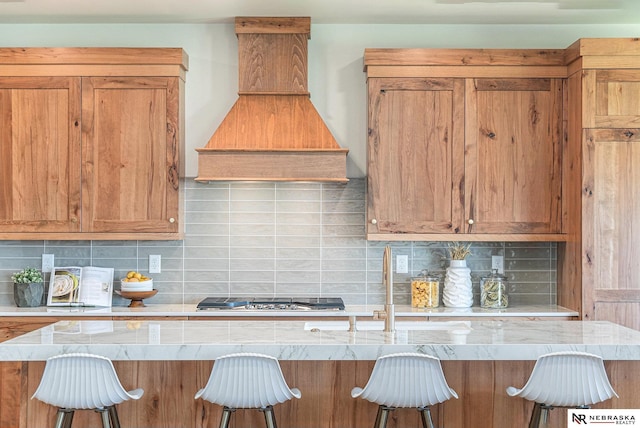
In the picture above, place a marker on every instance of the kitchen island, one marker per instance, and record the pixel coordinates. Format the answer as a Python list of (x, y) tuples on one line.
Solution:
[(170, 360)]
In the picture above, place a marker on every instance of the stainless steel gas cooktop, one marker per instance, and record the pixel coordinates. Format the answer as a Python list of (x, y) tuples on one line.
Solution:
[(272, 303)]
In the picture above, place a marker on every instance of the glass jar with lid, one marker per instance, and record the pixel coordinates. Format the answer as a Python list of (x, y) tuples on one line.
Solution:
[(493, 291), (425, 290)]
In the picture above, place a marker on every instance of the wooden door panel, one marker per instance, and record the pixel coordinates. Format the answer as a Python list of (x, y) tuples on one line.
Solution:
[(614, 102), (130, 158), (39, 154), (413, 140), (611, 224), (619, 307), (12, 393), (513, 158)]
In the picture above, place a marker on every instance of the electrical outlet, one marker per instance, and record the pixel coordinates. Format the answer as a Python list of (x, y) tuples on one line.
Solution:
[(47, 262), (402, 264), (497, 262), (155, 263)]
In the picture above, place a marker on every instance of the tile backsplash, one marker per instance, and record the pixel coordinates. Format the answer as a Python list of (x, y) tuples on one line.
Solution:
[(265, 239)]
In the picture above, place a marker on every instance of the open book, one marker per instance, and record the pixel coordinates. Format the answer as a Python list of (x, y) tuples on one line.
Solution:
[(80, 286)]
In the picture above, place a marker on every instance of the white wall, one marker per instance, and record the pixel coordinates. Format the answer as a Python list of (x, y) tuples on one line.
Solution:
[(336, 80)]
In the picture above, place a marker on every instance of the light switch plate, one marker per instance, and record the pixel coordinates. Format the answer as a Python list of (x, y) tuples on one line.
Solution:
[(155, 263)]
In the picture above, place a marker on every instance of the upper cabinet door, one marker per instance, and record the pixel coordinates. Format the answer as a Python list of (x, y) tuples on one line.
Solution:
[(130, 154), (513, 162), (612, 99), (415, 155), (39, 154)]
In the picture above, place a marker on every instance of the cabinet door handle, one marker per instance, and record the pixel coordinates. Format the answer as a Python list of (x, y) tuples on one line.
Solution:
[(172, 220), (374, 221), (470, 221)]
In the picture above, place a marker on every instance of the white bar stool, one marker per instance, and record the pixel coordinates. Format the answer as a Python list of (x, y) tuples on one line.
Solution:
[(247, 381), (564, 379), (406, 380), (83, 381)]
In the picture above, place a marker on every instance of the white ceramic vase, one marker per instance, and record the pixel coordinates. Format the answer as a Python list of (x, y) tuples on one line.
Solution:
[(457, 291)]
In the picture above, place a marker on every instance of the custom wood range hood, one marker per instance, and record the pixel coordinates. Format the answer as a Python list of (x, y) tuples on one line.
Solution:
[(272, 132)]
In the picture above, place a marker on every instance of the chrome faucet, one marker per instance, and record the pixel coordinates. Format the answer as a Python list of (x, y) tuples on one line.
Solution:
[(389, 313)]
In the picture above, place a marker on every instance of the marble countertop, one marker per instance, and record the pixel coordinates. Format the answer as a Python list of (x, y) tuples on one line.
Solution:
[(189, 310), (300, 340)]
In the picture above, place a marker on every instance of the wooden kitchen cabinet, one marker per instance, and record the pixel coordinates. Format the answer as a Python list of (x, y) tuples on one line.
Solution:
[(513, 162), (415, 136), (574, 180), (130, 154), (608, 90), (39, 154), (92, 143), (457, 152), (597, 266)]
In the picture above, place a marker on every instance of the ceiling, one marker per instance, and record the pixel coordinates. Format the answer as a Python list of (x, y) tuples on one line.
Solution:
[(325, 11)]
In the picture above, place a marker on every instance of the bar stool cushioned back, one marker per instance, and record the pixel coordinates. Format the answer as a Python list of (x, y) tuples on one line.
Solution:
[(565, 379), (83, 381), (406, 380), (247, 381)]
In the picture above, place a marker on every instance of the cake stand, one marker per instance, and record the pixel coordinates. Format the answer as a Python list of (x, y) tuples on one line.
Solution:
[(136, 297)]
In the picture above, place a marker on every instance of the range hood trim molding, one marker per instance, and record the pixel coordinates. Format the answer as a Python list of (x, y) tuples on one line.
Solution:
[(271, 165)]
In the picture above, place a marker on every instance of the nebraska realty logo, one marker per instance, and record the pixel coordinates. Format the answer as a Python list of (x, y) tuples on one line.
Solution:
[(600, 417)]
